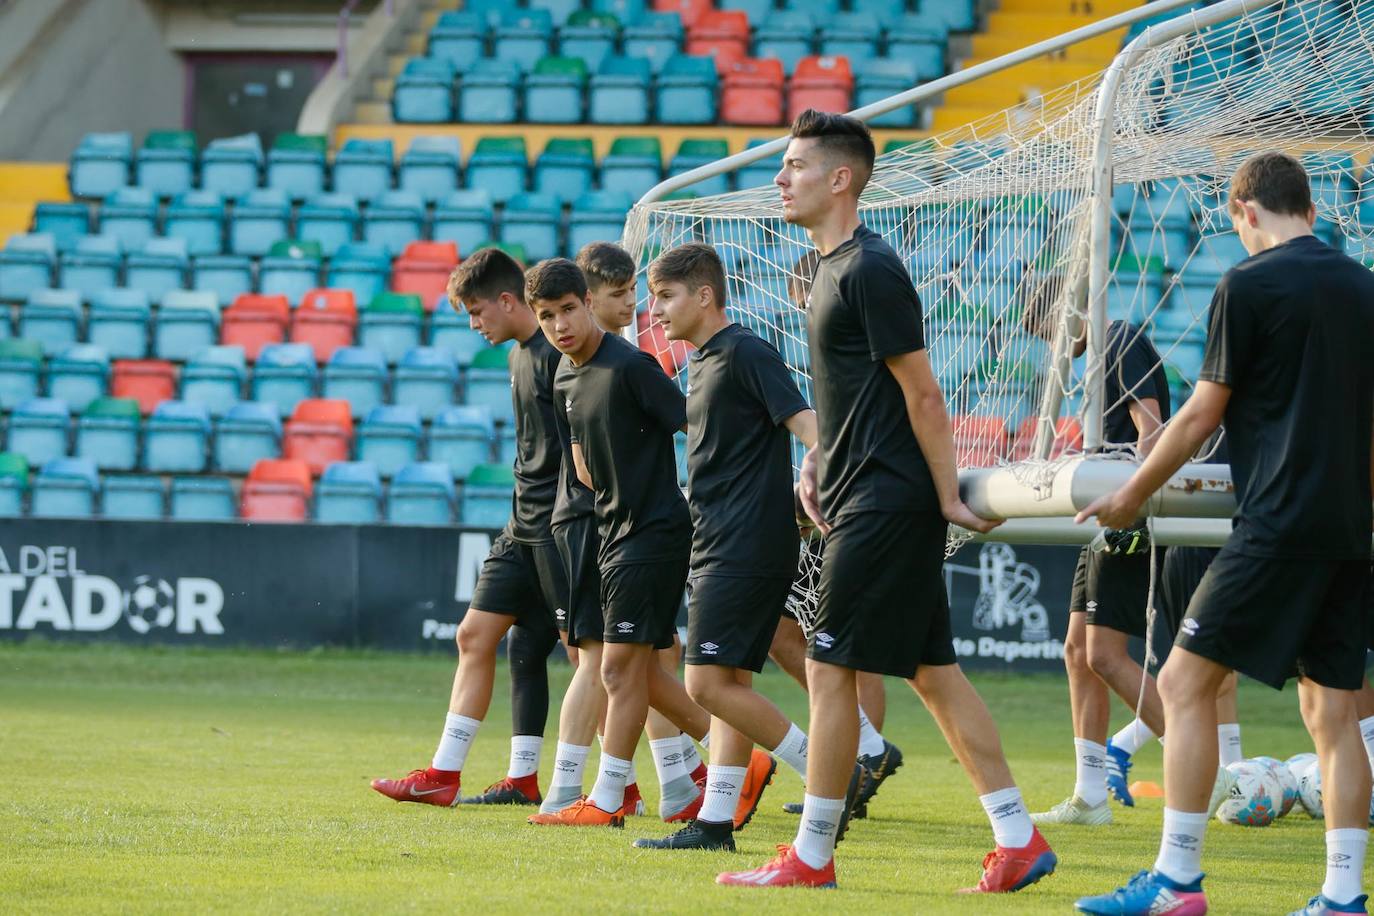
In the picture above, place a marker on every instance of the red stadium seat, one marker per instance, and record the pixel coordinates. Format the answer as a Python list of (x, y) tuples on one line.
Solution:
[(822, 83), (148, 381), (326, 319), (689, 10), (424, 268), (751, 92), (716, 31), (277, 490), (254, 321), (979, 441), (319, 433), (1068, 435)]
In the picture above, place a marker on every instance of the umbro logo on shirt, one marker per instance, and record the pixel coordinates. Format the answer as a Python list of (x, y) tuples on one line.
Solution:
[(625, 626), (709, 648)]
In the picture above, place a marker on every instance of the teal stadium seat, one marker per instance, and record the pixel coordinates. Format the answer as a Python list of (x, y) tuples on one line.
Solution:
[(260, 219), (53, 318), (21, 364), (597, 216), (489, 92), (231, 166), (291, 269), (426, 379), (65, 488), (361, 268), (65, 222), (297, 166), (465, 218), (449, 330), (881, 77), (133, 498), (687, 90), (424, 91), (487, 496), (214, 378), (364, 168), (187, 322), (14, 481), (461, 438), (166, 164), (533, 221), (107, 434), (394, 220), (389, 437), (100, 164), (853, 35), (633, 166), (329, 220), (487, 383), (129, 215), (79, 375), (247, 433), (203, 499), (421, 494), (555, 90), (158, 267), (349, 493), (94, 264), (26, 264), (39, 430), (118, 322), (523, 36), (227, 276), (356, 375), (284, 375), (391, 323), (177, 438), (788, 35), (459, 36), (589, 36), (430, 168), (656, 37), (620, 91)]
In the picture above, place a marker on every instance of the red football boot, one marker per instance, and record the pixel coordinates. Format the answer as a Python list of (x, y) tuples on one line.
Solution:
[(1006, 870), (428, 786), (687, 813), (786, 870), (634, 802)]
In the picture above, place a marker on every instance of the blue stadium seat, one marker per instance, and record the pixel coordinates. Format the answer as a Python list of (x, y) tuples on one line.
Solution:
[(228, 276), (489, 10), (118, 322), (214, 378), (756, 10), (533, 220), (79, 375), (789, 35), (555, 90), (853, 35), (429, 167), (349, 493), (177, 437), (759, 174), (197, 217), (259, 220), (694, 154), (356, 375), (100, 163), (499, 165), (506, 446), (231, 166), (913, 40), (489, 92), (39, 429), (296, 165), (187, 322), (362, 268), (328, 219), (391, 323), (949, 15), (166, 163), (21, 362), (426, 379), (389, 437), (26, 264), (53, 318), (249, 432), (620, 91), (633, 166), (65, 488), (363, 168), (450, 330), (656, 37), (589, 36), (597, 216), (395, 219), (65, 222), (687, 91), (464, 217), (487, 496), (291, 269), (559, 10), (488, 383), (203, 499), (461, 438), (523, 36), (92, 266), (820, 10), (627, 11), (423, 93), (158, 267), (421, 494), (459, 36), (107, 434), (880, 77), (133, 497), (284, 374), (129, 215)]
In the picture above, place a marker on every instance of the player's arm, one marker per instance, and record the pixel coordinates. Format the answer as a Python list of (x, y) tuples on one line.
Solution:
[(584, 476), (925, 409), (802, 424), (1146, 417)]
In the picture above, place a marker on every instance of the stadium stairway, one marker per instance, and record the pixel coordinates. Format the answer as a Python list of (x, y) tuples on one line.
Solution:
[(24, 184)]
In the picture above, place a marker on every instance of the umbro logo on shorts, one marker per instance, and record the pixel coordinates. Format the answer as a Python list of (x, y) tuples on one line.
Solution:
[(1189, 626), (1091, 606), (825, 640), (625, 626), (709, 648), (560, 614)]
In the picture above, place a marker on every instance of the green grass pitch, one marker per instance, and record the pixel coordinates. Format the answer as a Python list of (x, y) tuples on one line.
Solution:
[(145, 780)]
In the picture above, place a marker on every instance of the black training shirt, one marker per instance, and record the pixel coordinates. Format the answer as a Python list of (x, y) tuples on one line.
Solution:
[(739, 459), (863, 309), (537, 455), (623, 410), (574, 500), (1291, 333), (1134, 372)]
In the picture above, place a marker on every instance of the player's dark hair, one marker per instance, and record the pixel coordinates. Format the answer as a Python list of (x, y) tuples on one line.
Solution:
[(554, 279), (841, 139), (486, 274), (605, 264), (803, 274), (1276, 181), (694, 265)]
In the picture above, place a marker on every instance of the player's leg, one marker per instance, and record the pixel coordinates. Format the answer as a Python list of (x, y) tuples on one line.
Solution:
[(674, 752), (1228, 723), (873, 699), (583, 707), (788, 650), (1330, 717)]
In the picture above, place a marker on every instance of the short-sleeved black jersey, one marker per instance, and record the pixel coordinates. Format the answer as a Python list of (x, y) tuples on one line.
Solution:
[(533, 364), (1134, 372)]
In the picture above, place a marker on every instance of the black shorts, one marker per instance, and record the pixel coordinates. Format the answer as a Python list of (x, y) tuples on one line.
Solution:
[(641, 601), (1273, 618), (883, 606), (524, 581), (731, 620), (1180, 576), (1113, 590), (578, 544)]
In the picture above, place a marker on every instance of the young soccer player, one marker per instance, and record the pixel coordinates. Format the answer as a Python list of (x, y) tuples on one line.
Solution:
[(522, 582), (1288, 366), (885, 489), (622, 412)]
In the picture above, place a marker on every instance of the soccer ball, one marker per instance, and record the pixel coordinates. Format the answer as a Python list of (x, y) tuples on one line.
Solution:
[(1287, 783), (1298, 762), (1255, 795), (150, 604), (1310, 788)]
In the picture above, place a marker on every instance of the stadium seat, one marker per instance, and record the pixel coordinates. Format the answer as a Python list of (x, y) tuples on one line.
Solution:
[(394, 220), (913, 40), (360, 268), (449, 330), (597, 216), (291, 269), (820, 10), (166, 165), (461, 438), (689, 10), (881, 77), (326, 319), (214, 377), (296, 165), (489, 93), (488, 383), (356, 375), (129, 215), (756, 10), (421, 494), (260, 219), (1135, 287), (695, 152), (949, 15), (822, 83), (53, 318), (620, 91), (389, 437), (506, 446), (364, 168), (761, 173), (158, 267), (589, 36), (655, 37), (459, 36), (21, 363), (65, 222), (391, 323), (429, 168), (979, 441), (118, 322), (633, 166), (719, 32), (787, 35), (426, 379), (277, 490), (249, 432), (227, 276), (751, 92), (423, 269), (487, 496), (1068, 436), (686, 91), (14, 481), (285, 374), (107, 434), (187, 322), (319, 433), (39, 429), (26, 264), (554, 91), (65, 488), (231, 166), (328, 220), (559, 10), (523, 36), (533, 221), (176, 438), (423, 93), (202, 499), (465, 218), (349, 493), (627, 11), (851, 35), (147, 381), (100, 163), (92, 265), (133, 497), (78, 375), (498, 166)]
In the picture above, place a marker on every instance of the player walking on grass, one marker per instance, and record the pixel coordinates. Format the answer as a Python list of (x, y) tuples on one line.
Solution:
[(522, 583), (882, 485), (1288, 366)]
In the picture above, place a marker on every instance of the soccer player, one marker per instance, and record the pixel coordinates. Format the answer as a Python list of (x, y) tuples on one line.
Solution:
[(522, 582), (622, 412), (882, 485), (1287, 365)]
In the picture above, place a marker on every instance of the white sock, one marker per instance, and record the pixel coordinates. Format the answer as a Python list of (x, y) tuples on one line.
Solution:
[(1367, 735), (792, 750), (1228, 743), (1011, 823), (722, 794), (1133, 737), (601, 748), (1180, 848), (524, 755), (1090, 783), (609, 792), (668, 759), (690, 758), (455, 741), (567, 768), (870, 742), (820, 821), (1344, 863)]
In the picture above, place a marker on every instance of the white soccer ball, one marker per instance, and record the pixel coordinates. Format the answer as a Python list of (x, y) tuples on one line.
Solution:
[(1255, 796), (1310, 789), (150, 604), (1287, 783), (1298, 762)]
